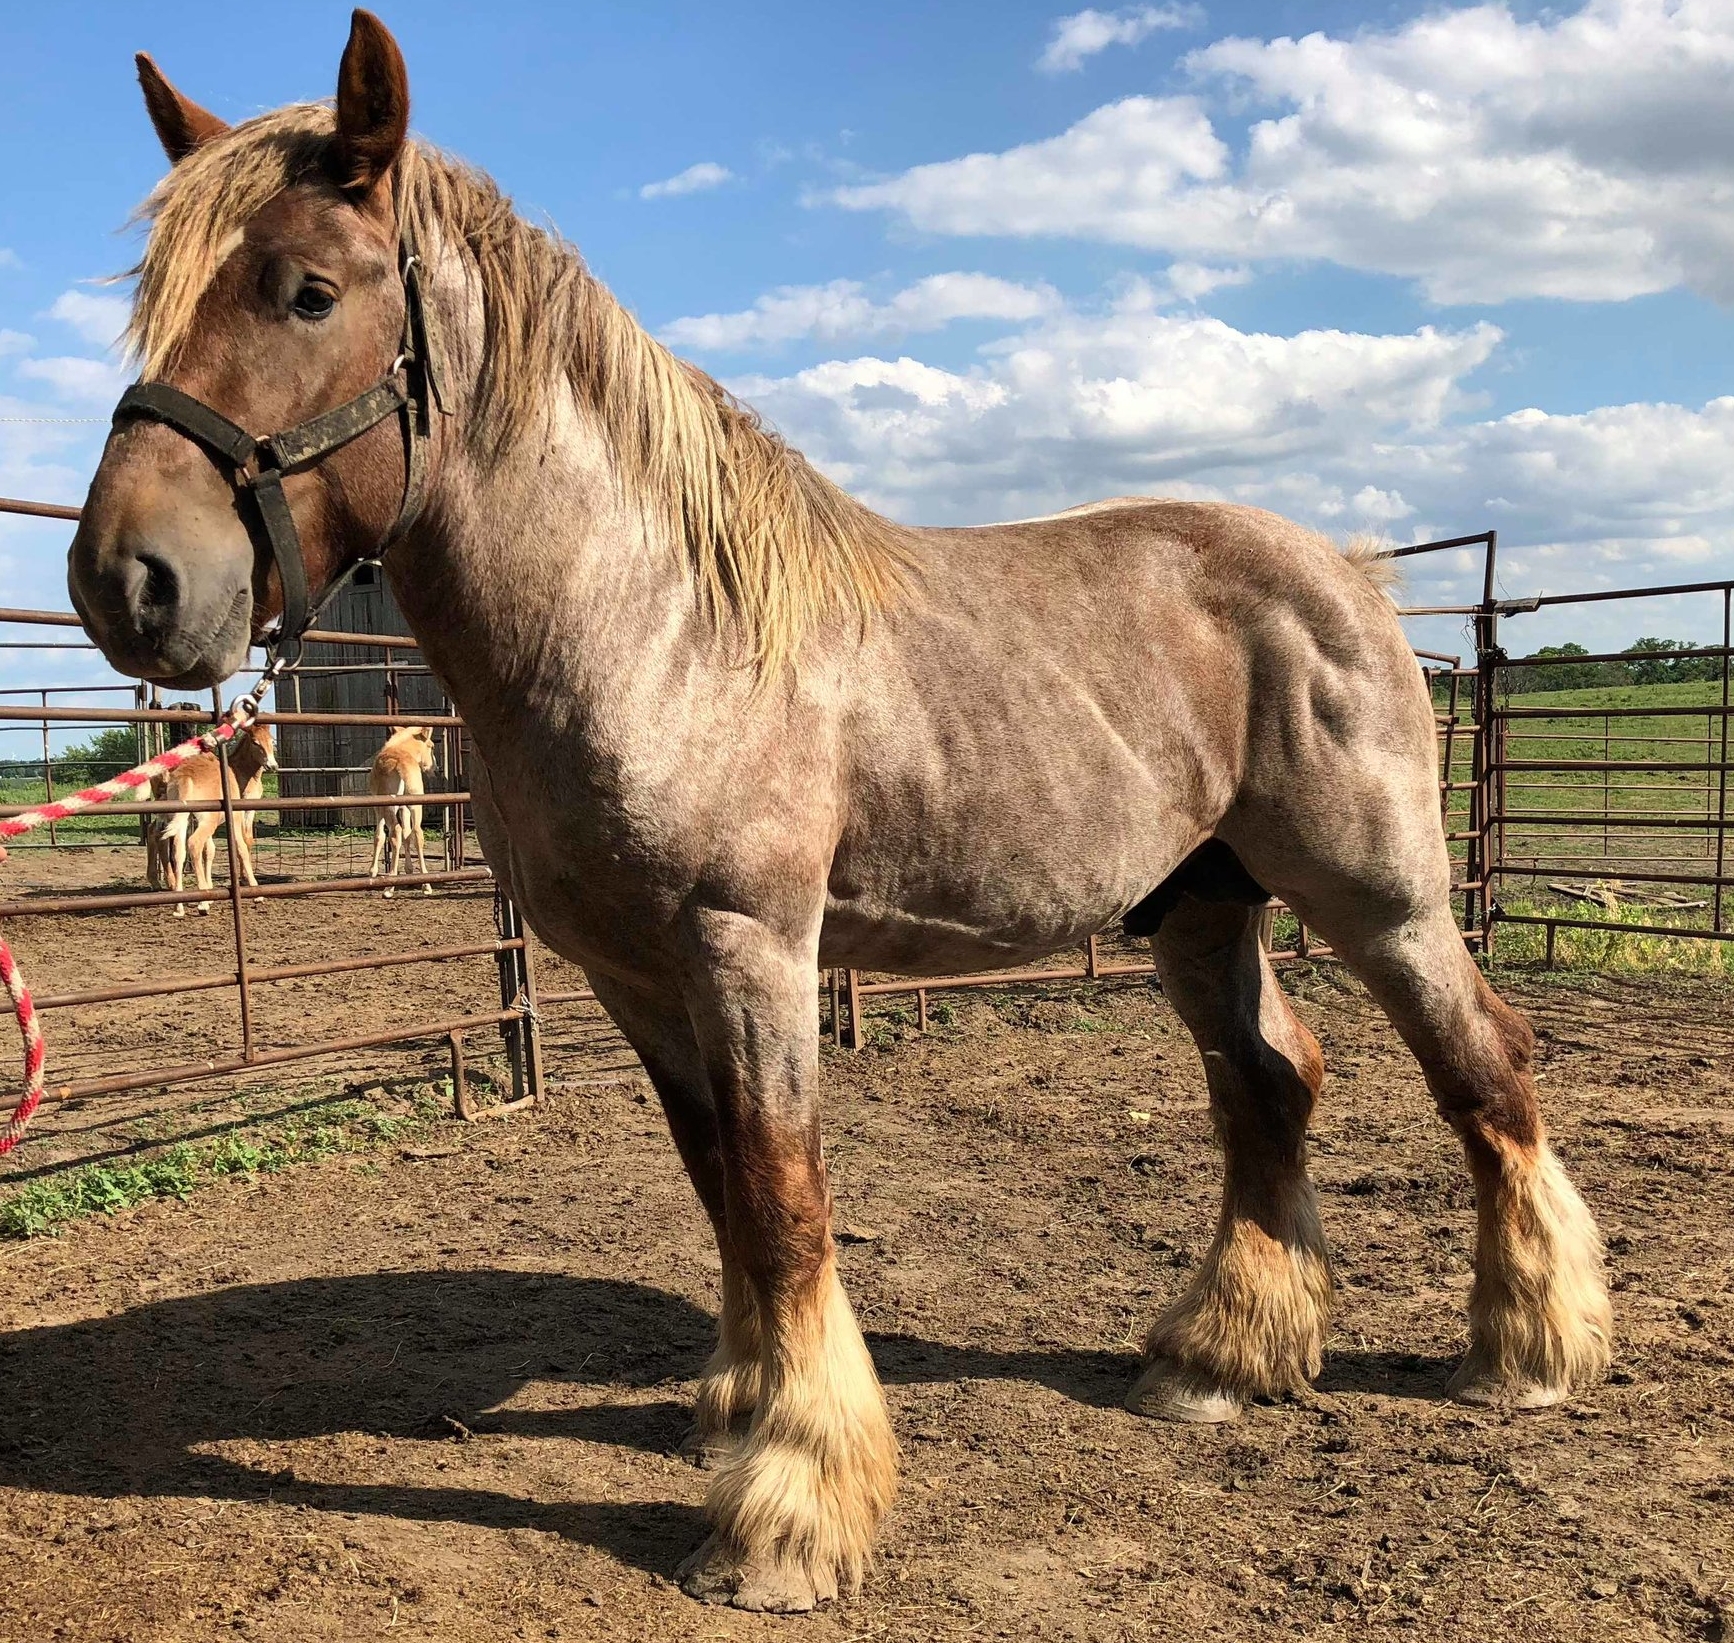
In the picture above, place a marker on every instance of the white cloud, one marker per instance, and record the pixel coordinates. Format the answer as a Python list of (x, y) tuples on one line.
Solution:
[(15, 342), (1084, 33), (1485, 157), (1191, 280), (10, 259), (94, 381), (706, 174), (99, 320), (1342, 430), (843, 309), (1084, 404)]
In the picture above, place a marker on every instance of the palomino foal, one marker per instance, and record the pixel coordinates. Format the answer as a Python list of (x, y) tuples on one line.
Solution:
[(733, 725), (397, 771), (199, 780)]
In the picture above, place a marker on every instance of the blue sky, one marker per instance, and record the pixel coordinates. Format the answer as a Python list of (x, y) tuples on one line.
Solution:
[(1416, 270)]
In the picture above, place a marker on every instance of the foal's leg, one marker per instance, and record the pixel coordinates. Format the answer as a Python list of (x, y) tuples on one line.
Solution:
[(1252, 1322), (204, 851), (660, 1031), (378, 846), (1539, 1318), (244, 848), (796, 1507), (394, 860), (420, 849), (175, 856)]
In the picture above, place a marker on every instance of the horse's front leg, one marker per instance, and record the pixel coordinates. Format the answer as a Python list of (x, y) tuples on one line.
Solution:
[(797, 1505), (659, 1029)]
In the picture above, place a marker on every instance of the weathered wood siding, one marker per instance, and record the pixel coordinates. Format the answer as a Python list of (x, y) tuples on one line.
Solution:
[(318, 759)]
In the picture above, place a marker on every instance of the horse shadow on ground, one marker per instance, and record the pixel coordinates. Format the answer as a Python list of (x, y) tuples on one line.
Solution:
[(132, 1404)]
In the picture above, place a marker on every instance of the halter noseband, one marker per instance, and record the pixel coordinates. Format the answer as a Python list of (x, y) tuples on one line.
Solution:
[(411, 386)]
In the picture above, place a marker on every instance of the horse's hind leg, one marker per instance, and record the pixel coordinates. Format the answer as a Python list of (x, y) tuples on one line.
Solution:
[(394, 855), (175, 856), (1354, 845), (420, 851), (204, 853), (1539, 1319), (379, 828), (1252, 1322), (661, 1034)]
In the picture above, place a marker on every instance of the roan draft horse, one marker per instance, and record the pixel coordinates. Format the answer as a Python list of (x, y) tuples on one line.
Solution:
[(736, 726)]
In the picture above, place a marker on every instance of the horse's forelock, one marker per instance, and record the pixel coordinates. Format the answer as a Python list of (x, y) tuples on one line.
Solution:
[(199, 211)]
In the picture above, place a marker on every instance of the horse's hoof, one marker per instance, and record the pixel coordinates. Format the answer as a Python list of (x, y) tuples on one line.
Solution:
[(1165, 1391), (707, 1449), (714, 1574), (427, 889), (387, 894), (1478, 1384)]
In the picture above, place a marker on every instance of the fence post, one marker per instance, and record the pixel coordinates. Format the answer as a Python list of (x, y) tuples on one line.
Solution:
[(224, 783), (48, 766), (1722, 775), (518, 991), (1487, 827), (854, 984)]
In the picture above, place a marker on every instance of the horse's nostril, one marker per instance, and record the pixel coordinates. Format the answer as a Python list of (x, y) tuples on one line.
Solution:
[(157, 594)]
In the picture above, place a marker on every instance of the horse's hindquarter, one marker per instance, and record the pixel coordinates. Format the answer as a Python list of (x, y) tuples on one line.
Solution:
[(1033, 744)]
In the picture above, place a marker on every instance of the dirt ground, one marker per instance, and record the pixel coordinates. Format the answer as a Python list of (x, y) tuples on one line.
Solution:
[(433, 1392)]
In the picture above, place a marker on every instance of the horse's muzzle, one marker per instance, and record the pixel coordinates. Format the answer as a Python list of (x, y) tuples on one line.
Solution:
[(160, 612)]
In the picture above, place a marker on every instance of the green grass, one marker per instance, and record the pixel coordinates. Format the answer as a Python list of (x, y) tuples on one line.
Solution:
[(101, 825), (329, 1129), (1587, 851), (1610, 951), (1641, 739)]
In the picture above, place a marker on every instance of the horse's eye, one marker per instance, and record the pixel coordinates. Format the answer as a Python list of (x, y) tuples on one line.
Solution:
[(313, 302)]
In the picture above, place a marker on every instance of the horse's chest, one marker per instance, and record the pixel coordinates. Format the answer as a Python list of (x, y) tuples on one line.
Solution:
[(598, 895)]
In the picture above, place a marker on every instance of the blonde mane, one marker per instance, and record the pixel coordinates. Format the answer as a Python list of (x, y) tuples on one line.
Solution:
[(773, 548), (1366, 551)]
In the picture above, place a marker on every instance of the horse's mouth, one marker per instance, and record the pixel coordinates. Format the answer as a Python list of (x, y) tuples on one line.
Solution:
[(183, 662)]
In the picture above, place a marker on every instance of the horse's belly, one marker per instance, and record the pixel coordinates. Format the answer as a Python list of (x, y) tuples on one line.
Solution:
[(976, 917)]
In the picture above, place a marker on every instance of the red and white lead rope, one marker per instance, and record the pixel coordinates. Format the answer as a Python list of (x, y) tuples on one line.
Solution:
[(241, 713)]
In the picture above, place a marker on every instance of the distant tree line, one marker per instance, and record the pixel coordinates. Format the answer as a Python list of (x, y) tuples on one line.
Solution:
[(105, 754), (1677, 667)]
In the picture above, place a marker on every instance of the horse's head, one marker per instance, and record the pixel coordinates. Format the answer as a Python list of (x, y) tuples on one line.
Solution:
[(261, 738), (271, 292)]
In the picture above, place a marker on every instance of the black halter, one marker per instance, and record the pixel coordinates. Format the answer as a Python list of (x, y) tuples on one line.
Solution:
[(411, 386)]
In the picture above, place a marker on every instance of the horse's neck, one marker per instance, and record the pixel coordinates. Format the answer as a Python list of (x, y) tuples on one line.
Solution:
[(537, 590)]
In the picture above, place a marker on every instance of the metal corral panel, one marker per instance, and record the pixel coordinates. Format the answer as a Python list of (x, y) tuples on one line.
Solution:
[(319, 759)]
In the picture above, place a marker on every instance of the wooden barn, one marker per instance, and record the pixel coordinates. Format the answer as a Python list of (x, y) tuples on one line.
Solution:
[(358, 678)]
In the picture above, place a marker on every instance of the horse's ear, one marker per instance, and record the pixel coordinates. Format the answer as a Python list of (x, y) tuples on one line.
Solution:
[(372, 105), (181, 124)]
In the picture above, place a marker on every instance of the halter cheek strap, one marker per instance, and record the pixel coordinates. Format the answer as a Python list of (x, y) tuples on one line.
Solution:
[(410, 387)]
